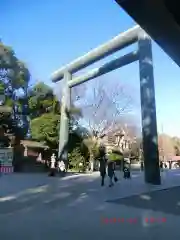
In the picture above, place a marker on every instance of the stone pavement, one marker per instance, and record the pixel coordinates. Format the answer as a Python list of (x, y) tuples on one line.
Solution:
[(34, 206)]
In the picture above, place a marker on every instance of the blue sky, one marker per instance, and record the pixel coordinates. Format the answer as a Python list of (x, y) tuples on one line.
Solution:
[(48, 34)]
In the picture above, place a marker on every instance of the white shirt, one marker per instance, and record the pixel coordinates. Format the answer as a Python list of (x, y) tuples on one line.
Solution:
[(53, 160), (61, 166)]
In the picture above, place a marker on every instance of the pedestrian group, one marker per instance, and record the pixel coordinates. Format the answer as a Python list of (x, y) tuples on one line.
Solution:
[(107, 165)]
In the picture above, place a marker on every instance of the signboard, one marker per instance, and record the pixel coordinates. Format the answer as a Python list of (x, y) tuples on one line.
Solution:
[(6, 158)]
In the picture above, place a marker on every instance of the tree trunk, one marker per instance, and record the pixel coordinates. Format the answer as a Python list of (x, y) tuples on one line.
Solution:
[(91, 160)]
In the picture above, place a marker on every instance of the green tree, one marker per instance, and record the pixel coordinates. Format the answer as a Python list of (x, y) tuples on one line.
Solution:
[(42, 100), (44, 110), (45, 128), (14, 76), (45, 116), (76, 159), (92, 144)]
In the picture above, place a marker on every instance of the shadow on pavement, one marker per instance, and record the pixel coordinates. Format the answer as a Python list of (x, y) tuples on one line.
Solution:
[(41, 191), (49, 193), (76, 206), (166, 201)]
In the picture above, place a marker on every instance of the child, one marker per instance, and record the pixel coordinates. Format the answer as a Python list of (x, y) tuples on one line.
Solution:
[(126, 168)]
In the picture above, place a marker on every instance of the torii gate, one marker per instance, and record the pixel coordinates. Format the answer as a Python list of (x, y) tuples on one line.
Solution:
[(148, 108)]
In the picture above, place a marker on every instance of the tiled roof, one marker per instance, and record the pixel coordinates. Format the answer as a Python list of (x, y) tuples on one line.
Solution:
[(5, 109), (176, 158), (29, 143)]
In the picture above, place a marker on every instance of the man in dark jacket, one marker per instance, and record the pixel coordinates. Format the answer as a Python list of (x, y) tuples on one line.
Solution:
[(103, 163)]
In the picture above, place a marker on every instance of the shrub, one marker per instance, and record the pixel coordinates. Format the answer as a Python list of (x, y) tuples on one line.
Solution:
[(115, 157), (75, 158)]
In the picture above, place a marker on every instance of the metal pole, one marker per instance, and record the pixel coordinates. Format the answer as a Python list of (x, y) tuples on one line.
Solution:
[(162, 132), (148, 111), (119, 42), (64, 121), (106, 68)]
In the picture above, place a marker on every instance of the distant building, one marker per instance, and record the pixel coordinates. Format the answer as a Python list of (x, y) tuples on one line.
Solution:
[(118, 138)]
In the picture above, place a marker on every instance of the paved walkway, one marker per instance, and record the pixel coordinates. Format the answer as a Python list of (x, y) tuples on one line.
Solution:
[(34, 206)]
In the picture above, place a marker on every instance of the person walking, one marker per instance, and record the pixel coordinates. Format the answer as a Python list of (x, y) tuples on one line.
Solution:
[(142, 166), (52, 166), (161, 165), (103, 163), (0, 168), (111, 173)]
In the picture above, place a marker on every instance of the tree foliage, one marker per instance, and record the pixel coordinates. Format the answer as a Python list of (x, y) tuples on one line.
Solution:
[(45, 128), (14, 78), (44, 109), (76, 158), (14, 75), (42, 100)]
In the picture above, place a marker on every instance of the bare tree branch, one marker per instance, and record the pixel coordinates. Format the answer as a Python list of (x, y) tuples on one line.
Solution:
[(103, 107)]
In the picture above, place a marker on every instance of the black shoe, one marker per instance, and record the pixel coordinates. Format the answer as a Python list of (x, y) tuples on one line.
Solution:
[(111, 185), (115, 179)]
